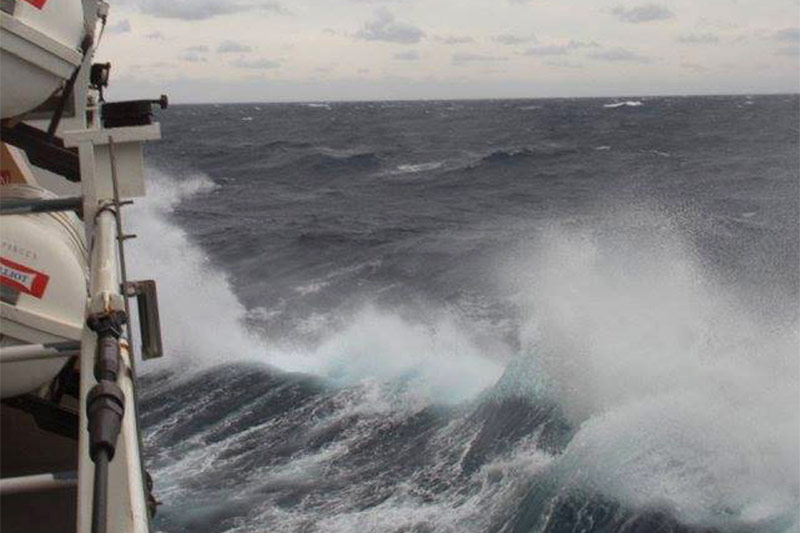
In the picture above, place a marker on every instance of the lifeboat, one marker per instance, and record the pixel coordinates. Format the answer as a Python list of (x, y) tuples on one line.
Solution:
[(40, 48), (43, 279)]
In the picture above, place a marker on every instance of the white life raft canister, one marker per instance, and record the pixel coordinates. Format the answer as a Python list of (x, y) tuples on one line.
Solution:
[(43, 279), (40, 42)]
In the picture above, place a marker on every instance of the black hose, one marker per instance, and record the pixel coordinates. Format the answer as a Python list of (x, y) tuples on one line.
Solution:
[(99, 496), (105, 408)]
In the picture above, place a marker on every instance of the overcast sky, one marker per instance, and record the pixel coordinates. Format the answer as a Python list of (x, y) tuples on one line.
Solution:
[(300, 50)]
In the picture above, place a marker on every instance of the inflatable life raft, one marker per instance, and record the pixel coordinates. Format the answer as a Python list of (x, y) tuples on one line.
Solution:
[(40, 44), (43, 287)]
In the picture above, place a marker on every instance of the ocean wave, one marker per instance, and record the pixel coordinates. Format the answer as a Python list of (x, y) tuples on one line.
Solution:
[(700, 426), (628, 103), (414, 168), (283, 144), (513, 155), (193, 293), (335, 163)]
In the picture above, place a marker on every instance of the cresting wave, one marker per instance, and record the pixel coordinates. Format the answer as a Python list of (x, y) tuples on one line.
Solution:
[(680, 394), (628, 103), (203, 321), (675, 396)]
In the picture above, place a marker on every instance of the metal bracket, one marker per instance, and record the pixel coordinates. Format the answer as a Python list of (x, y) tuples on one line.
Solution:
[(149, 321)]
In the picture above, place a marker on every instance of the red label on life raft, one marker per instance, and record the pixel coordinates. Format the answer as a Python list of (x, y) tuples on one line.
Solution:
[(38, 4), (22, 278)]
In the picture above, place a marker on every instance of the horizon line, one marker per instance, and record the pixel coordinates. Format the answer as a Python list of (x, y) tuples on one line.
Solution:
[(485, 99)]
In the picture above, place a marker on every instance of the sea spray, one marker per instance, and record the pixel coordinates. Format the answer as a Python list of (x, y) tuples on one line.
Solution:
[(203, 322), (681, 398), (201, 318)]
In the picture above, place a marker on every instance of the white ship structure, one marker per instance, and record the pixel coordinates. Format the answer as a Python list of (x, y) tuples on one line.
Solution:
[(70, 446)]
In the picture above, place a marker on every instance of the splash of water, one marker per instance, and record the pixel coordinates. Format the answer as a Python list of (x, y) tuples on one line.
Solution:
[(439, 357), (682, 397), (200, 315), (203, 321)]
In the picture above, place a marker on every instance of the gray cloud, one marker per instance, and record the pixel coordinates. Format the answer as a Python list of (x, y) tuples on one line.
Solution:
[(192, 57), (156, 35), (561, 63), (573, 45), (410, 55), (230, 47), (698, 38), (621, 55), (789, 35), (455, 39), (462, 58), (384, 27), (793, 50), (642, 13), (694, 67), (256, 64), (511, 40), (559, 49), (204, 9), (123, 26), (547, 50)]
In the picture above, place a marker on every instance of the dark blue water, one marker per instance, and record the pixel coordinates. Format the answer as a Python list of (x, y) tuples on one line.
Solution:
[(506, 316)]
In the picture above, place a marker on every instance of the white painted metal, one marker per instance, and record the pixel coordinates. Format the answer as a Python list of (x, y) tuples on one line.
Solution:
[(127, 510), (40, 49), (95, 161), (32, 352), (37, 483), (51, 244), (23, 47)]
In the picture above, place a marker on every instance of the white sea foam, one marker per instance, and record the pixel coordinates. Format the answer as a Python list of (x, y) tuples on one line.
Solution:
[(414, 168), (628, 103), (419, 167), (439, 357), (200, 316), (203, 321), (682, 397)]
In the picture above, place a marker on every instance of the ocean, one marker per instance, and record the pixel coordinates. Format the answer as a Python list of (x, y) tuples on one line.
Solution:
[(560, 315)]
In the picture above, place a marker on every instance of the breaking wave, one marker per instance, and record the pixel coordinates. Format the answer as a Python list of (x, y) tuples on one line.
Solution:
[(640, 394), (678, 392), (628, 103)]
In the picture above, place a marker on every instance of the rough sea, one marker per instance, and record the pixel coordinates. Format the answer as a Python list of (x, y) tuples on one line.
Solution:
[(515, 316)]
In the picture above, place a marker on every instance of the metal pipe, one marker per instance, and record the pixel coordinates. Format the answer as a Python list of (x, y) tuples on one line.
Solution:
[(105, 401), (104, 261), (121, 244), (38, 483), (23, 206), (124, 289), (31, 352)]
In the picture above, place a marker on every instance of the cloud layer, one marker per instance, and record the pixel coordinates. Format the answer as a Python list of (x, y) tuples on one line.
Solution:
[(203, 9), (384, 27), (642, 13)]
